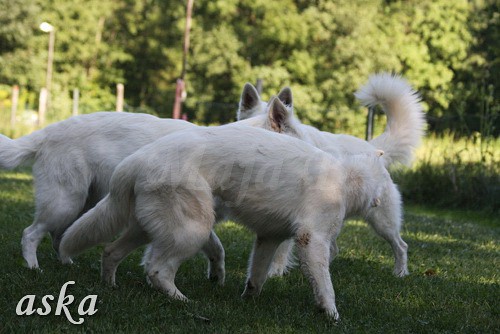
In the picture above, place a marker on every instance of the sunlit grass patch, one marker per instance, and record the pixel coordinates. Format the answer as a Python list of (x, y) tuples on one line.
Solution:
[(458, 173)]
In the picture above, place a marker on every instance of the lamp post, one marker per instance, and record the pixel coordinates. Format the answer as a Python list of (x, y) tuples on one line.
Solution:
[(45, 93)]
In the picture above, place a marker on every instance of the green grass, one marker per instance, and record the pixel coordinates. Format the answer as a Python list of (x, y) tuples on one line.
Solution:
[(453, 286)]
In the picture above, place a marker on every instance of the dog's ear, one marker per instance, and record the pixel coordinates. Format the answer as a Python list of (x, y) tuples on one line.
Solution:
[(249, 102), (279, 115), (285, 96)]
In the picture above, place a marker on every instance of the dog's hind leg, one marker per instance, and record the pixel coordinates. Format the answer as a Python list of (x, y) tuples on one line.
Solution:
[(55, 211), (179, 222), (314, 254), (386, 221), (260, 261), (214, 251), (283, 259), (116, 251), (32, 236), (169, 250), (334, 248)]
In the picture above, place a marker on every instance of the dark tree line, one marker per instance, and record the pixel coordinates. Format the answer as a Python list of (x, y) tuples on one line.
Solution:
[(323, 49)]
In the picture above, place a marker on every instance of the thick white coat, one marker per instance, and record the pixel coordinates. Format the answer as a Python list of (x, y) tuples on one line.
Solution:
[(279, 187)]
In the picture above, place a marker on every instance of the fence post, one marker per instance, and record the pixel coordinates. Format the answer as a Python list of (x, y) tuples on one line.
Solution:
[(120, 90), (179, 88), (76, 97), (42, 106), (259, 85), (369, 123), (13, 110)]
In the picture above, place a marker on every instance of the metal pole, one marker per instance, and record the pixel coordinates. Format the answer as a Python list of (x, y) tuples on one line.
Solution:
[(50, 61), (369, 124), (42, 104)]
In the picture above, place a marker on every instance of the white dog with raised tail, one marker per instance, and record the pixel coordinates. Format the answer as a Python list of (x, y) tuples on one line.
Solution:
[(400, 102), (280, 187), (403, 133)]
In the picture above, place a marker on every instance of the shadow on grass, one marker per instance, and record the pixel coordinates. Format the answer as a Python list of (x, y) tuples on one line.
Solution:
[(459, 294)]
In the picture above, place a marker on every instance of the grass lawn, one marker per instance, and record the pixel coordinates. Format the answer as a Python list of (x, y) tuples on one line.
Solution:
[(454, 285)]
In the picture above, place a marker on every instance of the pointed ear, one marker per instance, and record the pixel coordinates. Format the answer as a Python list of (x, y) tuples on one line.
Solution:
[(278, 114), (249, 102), (285, 96)]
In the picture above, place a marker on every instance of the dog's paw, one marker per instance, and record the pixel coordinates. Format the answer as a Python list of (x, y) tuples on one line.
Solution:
[(332, 314), (280, 269), (401, 272), (276, 271), (66, 260), (109, 280), (250, 291), (177, 295), (218, 275), (33, 266)]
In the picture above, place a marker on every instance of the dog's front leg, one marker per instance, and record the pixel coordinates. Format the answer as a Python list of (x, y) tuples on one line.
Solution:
[(260, 261), (314, 255)]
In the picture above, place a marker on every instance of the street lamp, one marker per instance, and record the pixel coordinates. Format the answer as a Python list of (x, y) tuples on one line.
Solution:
[(45, 92)]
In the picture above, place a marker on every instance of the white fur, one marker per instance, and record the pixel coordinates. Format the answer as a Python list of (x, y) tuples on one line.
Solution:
[(405, 121), (279, 187), (73, 163), (405, 127), (405, 117)]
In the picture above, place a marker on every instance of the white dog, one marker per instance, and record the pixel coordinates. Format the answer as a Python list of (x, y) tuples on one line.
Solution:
[(74, 160), (279, 187), (405, 128), (82, 179)]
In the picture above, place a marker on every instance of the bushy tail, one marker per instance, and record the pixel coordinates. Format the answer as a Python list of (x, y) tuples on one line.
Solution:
[(405, 118), (102, 222), (14, 152)]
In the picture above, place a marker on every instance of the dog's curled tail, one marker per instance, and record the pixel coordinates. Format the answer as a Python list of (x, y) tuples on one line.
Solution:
[(104, 221), (14, 152), (405, 118)]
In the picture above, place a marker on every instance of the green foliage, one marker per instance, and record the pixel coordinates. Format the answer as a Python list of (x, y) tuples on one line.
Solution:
[(455, 173), (323, 49)]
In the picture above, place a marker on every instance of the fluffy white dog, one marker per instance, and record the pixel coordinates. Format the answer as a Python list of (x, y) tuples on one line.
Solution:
[(279, 187), (74, 160), (405, 128)]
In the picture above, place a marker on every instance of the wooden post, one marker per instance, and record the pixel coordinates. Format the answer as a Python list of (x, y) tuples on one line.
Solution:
[(120, 92), (179, 87), (259, 86), (76, 98), (42, 106), (180, 84), (13, 109)]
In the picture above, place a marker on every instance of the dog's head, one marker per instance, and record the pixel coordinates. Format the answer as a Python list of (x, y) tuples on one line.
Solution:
[(251, 105), (275, 117)]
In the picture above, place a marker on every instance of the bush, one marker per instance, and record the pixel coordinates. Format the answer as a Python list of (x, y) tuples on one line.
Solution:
[(454, 173)]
